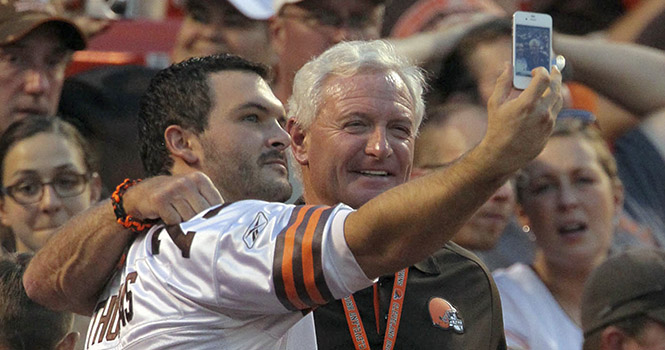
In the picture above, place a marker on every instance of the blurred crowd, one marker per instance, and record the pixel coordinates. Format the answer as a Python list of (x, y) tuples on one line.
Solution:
[(564, 253)]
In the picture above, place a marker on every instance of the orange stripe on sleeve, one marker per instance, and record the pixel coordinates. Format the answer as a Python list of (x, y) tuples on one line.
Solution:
[(308, 258), (287, 261)]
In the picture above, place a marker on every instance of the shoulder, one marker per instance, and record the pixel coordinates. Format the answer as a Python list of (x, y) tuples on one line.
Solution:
[(519, 282), (454, 256), (454, 263), (516, 272)]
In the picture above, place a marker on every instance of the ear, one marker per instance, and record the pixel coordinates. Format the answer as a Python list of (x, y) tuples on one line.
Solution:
[(612, 338), (277, 34), (68, 342), (180, 144), (298, 141), (95, 188)]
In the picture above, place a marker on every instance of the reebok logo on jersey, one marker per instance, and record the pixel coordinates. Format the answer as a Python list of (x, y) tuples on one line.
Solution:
[(254, 229)]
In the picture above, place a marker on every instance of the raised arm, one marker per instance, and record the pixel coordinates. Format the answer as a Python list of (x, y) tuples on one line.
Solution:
[(71, 269), (434, 45), (626, 73), (410, 222)]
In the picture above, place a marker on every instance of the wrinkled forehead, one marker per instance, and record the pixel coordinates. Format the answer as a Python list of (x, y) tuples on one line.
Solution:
[(373, 87)]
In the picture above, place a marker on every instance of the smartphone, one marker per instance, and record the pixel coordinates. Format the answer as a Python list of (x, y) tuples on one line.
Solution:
[(532, 45)]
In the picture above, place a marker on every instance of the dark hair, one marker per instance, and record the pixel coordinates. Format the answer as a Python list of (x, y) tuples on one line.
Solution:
[(180, 95), (25, 324), (36, 124), (455, 75)]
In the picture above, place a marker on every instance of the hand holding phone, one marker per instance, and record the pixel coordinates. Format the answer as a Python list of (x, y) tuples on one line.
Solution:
[(532, 45)]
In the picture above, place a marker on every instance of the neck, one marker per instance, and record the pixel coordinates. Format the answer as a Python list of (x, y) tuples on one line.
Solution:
[(309, 195), (565, 284)]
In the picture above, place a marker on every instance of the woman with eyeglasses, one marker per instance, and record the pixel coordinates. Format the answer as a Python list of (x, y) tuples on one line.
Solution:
[(570, 198), (48, 175)]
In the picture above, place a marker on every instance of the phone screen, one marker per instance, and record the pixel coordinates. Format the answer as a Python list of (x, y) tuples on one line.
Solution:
[(532, 49)]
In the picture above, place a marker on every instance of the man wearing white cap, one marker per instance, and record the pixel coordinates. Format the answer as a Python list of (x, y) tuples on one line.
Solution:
[(35, 48), (225, 26)]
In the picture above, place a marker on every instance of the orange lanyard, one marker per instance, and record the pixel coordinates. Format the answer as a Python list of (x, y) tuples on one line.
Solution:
[(355, 324)]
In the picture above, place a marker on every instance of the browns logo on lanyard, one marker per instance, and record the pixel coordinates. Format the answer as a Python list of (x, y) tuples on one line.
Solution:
[(355, 324)]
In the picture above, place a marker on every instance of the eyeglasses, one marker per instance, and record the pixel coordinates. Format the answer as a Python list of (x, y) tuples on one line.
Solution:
[(31, 190), (331, 20)]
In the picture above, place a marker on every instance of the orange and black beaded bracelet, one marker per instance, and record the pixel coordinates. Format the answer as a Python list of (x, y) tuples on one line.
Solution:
[(122, 217)]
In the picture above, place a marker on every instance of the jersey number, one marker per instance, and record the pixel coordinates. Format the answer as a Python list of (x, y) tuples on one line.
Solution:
[(180, 239)]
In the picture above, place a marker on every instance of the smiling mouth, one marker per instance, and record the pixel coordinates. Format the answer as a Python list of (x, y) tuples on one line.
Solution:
[(373, 173)]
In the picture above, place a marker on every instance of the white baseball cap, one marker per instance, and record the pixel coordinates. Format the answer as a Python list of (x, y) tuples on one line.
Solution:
[(260, 9)]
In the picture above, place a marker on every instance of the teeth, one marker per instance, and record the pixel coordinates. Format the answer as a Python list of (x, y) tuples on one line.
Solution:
[(374, 173)]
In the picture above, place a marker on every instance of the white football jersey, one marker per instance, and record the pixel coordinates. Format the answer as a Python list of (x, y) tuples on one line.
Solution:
[(236, 276)]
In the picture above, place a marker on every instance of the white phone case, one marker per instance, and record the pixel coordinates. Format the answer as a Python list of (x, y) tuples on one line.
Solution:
[(532, 45)]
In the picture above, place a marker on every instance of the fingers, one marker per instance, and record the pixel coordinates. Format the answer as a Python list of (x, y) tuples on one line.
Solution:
[(540, 81), (192, 194), (182, 211), (208, 190), (502, 88), (551, 98), (175, 199)]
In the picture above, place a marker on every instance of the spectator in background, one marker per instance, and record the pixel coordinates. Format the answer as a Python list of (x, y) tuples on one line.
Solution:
[(623, 305), (25, 324), (449, 131), (48, 175), (303, 29), (225, 26), (571, 198), (35, 48)]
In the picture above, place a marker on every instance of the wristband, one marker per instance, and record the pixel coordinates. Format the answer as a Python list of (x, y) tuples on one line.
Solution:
[(127, 221)]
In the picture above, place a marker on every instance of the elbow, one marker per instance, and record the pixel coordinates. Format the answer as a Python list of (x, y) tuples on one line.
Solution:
[(34, 289), (38, 290)]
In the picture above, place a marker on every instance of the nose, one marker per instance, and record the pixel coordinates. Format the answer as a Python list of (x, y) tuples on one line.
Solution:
[(505, 193), (378, 145), (567, 196), (50, 201), (36, 82), (278, 138)]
